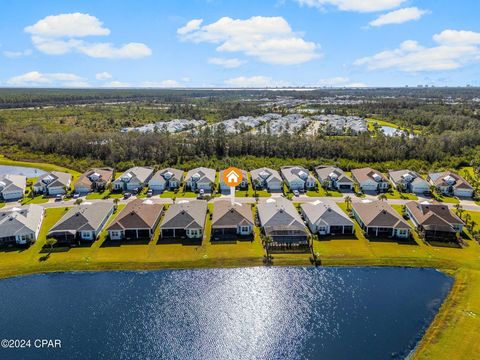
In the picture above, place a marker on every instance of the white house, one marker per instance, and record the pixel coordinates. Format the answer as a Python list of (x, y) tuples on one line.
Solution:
[(20, 225), (133, 179), (12, 187), (370, 180), (200, 179), (166, 179), (323, 219), (243, 184), (297, 178), (53, 183), (266, 178), (409, 181), (450, 183)]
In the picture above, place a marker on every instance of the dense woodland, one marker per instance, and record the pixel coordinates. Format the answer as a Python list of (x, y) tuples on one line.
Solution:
[(448, 121)]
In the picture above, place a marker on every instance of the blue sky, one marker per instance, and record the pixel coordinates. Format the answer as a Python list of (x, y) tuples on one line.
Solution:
[(214, 43)]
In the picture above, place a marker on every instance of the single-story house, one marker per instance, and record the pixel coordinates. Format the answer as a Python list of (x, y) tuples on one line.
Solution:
[(370, 180), (133, 179), (82, 222), (266, 178), (450, 183), (323, 219), (185, 219), (243, 184), (231, 220), (12, 187), (201, 178), (166, 179), (53, 183), (20, 225), (297, 178), (334, 178), (94, 180), (281, 222), (409, 181), (378, 219), (434, 221), (138, 220)]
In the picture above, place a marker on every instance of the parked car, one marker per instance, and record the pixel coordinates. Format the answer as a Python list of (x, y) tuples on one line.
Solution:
[(127, 195), (59, 197), (296, 193), (149, 193), (76, 195)]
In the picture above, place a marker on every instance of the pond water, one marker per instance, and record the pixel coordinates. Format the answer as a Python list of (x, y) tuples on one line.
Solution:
[(20, 170), (245, 313)]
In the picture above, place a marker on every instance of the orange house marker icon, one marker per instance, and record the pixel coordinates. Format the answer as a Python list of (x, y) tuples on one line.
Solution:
[(232, 176)]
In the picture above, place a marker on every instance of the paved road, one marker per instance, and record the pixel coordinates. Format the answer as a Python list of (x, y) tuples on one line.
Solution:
[(466, 204)]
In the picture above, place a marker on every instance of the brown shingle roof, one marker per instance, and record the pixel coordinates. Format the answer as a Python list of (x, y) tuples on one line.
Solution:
[(138, 214), (366, 174), (226, 215), (106, 175), (433, 214), (379, 214)]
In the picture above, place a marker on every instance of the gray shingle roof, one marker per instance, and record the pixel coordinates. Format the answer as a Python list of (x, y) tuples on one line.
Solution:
[(325, 173), (84, 217), (320, 213), (265, 173), (54, 178), (293, 173), (204, 174), (21, 220), (175, 175), (279, 213), (185, 214), (137, 174), (12, 183)]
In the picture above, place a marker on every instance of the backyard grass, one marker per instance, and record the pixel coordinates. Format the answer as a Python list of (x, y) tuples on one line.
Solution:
[(395, 194)]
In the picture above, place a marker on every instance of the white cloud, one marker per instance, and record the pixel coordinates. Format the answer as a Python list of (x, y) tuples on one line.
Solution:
[(191, 26), (226, 63), (457, 37), (68, 25), (354, 5), (269, 39), (36, 78), (60, 34), (454, 49), (17, 54), (356, 85), (103, 76), (398, 16), (254, 82)]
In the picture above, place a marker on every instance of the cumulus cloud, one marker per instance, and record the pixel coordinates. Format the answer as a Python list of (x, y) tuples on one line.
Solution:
[(226, 63), (61, 34), (399, 16), (269, 39), (103, 76), (334, 81), (363, 6), (36, 78), (254, 82), (16, 54), (453, 50)]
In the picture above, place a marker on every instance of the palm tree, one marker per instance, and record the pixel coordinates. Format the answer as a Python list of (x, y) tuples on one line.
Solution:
[(50, 242), (348, 202), (382, 197), (467, 219), (115, 202)]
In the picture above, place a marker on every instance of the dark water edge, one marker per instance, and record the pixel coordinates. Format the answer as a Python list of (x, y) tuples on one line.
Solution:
[(240, 313)]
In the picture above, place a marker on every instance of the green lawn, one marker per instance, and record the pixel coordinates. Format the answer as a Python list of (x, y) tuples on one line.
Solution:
[(107, 194), (36, 200), (394, 194)]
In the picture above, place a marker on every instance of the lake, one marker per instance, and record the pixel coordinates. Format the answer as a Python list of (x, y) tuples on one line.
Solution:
[(20, 170), (245, 313)]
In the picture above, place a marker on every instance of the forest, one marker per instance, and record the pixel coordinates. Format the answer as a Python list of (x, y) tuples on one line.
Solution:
[(59, 129)]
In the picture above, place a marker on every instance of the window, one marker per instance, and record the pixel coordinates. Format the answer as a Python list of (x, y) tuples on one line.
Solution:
[(402, 232), (322, 228), (245, 229)]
